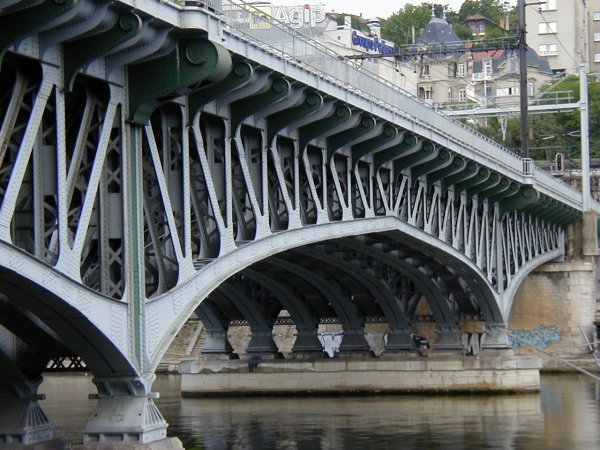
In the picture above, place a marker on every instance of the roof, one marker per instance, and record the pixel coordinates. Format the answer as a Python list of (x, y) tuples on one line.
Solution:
[(438, 31)]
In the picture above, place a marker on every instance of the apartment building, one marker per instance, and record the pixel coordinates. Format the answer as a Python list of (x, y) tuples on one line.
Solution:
[(556, 29), (594, 34)]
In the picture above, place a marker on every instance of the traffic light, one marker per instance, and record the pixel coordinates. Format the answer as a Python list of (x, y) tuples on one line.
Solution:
[(559, 162)]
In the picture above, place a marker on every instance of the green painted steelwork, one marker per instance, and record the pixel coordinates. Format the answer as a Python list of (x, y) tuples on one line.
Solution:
[(278, 121), (492, 181), (457, 165), (480, 177), (364, 148), (443, 159), (502, 186), (524, 197), (241, 109), (79, 53), (27, 19), (318, 128), (406, 162), (239, 76), (512, 189), (338, 140), (409, 143), (469, 171), (154, 82)]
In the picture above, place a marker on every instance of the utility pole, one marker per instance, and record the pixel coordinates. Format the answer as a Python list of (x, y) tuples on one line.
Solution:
[(523, 81)]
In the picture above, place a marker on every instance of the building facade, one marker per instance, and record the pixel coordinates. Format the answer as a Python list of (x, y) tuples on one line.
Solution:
[(556, 29), (594, 34)]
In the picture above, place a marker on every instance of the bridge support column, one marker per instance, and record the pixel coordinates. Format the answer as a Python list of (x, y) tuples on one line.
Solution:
[(448, 338), (262, 343), (307, 341), (125, 412), (22, 420), (216, 342), (354, 341), (399, 340), (496, 337)]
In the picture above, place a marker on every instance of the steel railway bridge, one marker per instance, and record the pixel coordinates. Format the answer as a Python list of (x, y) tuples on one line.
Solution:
[(159, 161)]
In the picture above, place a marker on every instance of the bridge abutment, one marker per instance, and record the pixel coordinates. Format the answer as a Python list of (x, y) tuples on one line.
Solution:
[(22, 420), (125, 412), (555, 307)]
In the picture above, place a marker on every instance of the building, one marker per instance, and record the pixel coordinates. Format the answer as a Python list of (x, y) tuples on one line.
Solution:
[(594, 34), (454, 74), (556, 29)]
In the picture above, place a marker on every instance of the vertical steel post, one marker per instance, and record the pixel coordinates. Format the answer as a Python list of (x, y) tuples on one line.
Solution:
[(585, 138), (523, 81)]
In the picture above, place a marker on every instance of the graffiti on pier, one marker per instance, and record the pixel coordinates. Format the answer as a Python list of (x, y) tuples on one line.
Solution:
[(541, 337)]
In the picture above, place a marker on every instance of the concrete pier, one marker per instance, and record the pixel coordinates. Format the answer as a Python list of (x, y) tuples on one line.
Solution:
[(493, 372)]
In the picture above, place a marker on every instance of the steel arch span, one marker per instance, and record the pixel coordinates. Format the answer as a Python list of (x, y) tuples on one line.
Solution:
[(157, 161)]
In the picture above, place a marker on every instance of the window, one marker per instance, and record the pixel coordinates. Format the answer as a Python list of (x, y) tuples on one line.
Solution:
[(547, 27), (543, 50), (462, 69), (550, 4), (553, 50), (487, 68), (462, 95), (597, 15), (596, 37), (597, 57), (449, 94)]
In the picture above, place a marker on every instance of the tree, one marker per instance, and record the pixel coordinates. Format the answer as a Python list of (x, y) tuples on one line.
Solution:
[(495, 10), (400, 27), (554, 132)]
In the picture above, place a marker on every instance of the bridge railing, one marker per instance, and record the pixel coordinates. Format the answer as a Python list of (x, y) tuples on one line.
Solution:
[(260, 29)]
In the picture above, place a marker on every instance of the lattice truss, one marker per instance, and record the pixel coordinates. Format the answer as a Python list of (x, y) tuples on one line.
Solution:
[(210, 187)]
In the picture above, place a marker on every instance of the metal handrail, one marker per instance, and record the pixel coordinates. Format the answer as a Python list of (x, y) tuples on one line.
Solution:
[(259, 29)]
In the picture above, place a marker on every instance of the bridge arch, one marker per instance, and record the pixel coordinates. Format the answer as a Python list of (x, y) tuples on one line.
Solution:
[(175, 307)]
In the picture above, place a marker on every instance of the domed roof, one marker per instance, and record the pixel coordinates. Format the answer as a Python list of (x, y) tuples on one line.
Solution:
[(439, 31)]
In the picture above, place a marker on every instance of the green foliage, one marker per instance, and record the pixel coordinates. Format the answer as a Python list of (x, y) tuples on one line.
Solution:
[(495, 10), (398, 27), (355, 23), (554, 132), (463, 32)]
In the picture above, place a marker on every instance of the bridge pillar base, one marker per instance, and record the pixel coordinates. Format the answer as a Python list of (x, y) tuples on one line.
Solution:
[(448, 338), (399, 342), (496, 338), (125, 413), (307, 342), (22, 420), (216, 342), (354, 342)]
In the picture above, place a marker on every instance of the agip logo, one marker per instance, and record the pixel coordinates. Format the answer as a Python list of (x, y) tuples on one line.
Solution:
[(300, 16)]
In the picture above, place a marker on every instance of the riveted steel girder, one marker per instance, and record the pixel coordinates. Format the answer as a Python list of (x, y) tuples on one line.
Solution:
[(480, 177), (307, 133), (77, 54), (456, 166), (240, 74), (502, 185), (469, 171), (191, 62), (524, 197), (410, 143), (443, 159), (281, 119), (23, 20), (241, 109), (512, 189), (366, 147), (406, 161), (337, 141)]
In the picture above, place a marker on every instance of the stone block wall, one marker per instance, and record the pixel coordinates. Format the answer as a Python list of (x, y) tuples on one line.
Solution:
[(552, 307)]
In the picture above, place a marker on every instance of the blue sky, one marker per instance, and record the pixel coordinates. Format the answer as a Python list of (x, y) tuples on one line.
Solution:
[(368, 8)]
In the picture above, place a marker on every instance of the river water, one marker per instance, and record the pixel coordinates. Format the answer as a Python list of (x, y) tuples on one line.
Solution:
[(564, 415)]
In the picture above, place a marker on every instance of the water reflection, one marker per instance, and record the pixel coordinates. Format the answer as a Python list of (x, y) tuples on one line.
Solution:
[(565, 415)]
